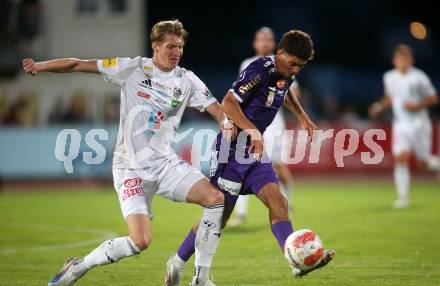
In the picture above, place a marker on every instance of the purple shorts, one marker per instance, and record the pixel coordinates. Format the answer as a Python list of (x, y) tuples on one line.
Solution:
[(236, 179)]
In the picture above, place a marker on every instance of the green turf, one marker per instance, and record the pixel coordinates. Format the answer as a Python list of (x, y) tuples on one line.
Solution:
[(376, 245)]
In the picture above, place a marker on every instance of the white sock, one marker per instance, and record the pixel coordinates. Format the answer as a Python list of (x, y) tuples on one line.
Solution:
[(433, 163), (207, 239), (110, 251), (287, 191), (241, 207), (402, 180), (201, 276)]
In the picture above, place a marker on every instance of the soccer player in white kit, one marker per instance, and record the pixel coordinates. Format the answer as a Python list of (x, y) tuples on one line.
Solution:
[(264, 45), (154, 94), (410, 93)]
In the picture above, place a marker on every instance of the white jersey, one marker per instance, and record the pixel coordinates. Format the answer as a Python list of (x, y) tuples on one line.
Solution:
[(410, 87), (152, 105)]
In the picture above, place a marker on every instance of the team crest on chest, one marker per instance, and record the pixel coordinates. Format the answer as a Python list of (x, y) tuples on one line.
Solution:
[(281, 84)]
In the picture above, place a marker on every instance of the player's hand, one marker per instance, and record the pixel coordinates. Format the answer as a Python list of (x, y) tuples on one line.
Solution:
[(412, 107), (375, 109), (257, 144), (228, 129), (308, 124), (30, 67)]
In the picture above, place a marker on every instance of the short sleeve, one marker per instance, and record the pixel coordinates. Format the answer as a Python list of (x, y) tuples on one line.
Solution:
[(117, 70), (201, 97), (426, 87), (249, 80)]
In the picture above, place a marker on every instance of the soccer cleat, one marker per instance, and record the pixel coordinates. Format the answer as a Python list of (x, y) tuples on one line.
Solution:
[(401, 204), (174, 273), (66, 276), (208, 283), (328, 256), (237, 221)]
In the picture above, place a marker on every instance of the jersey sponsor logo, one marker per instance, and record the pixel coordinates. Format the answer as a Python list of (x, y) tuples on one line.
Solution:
[(143, 94), (155, 119), (231, 187), (111, 62), (247, 87), (131, 183), (175, 103), (281, 84), (159, 100)]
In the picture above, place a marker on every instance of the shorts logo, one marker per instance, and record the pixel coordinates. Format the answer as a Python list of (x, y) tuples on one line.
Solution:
[(231, 187), (132, 188), (108, 63), (131, 183)]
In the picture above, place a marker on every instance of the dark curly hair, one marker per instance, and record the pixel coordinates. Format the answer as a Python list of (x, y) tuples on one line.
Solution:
[(297, 43)]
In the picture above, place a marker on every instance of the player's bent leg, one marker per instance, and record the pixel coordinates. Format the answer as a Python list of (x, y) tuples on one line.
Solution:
[(277, 204), (204, 240), (286, 180), (109, 251), (139, 230)]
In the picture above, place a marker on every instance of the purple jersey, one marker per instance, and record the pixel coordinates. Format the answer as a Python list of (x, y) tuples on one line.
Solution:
[(260, 91)]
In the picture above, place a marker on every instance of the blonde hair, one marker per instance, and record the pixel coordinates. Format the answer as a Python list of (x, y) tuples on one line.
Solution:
[(161, 28), (404, 50)]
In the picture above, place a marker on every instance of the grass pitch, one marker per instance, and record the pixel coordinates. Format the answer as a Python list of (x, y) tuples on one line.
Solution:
[(376, 244)]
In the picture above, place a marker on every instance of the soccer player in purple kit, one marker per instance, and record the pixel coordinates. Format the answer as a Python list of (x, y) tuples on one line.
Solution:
[(252, 103)]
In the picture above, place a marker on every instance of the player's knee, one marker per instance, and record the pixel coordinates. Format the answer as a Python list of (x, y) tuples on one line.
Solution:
[(142, 241), (215, 198)]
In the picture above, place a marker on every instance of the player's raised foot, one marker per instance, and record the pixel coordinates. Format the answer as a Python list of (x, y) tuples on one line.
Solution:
[(174, 274), (67, 276), (401, 203), (328, 256)]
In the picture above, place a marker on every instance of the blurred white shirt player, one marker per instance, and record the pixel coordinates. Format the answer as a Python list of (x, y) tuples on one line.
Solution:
[(154, 94), (409, 92), (264, 45)]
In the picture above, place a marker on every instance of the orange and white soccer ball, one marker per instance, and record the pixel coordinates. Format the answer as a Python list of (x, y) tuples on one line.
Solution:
[(303, 249)]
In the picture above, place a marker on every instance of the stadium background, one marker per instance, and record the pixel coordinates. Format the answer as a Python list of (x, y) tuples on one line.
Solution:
[(353, 40)]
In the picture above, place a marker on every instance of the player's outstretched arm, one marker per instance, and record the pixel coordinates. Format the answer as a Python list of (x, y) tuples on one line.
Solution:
[(380, 106), (295, 108), (234, 112), (227, 127), (60, 66)]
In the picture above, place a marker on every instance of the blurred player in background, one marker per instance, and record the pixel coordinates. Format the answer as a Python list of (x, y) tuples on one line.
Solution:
[(154, 94), (410, 93), (252, 103), (264, 45)]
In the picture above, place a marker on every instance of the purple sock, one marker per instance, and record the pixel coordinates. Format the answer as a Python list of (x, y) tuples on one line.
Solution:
[(187, 247), (281, 230)]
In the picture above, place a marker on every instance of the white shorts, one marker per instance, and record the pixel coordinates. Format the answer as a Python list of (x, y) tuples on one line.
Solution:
[(274, 138), (136, 187), (415, 136)]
